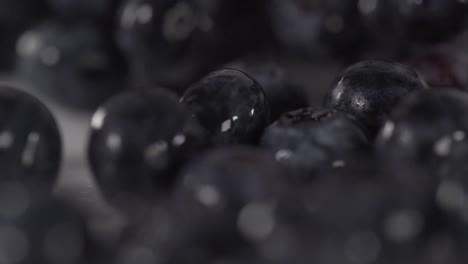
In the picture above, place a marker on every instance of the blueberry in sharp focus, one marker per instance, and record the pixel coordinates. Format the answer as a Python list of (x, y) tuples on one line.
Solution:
[(308, 140), (230, 105), (76, 64), (442, 68), (370, 90), (271, 75), (30, 141), (219, 196), (138, 139)]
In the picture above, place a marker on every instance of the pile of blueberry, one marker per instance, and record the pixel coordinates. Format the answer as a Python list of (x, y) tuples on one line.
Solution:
[(212, 153)]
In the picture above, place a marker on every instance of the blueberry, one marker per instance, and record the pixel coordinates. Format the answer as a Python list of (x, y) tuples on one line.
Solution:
[(411, 19), (230, 105), (220, 195), (174, 43), (138, 139), (30, 141), (370, 90), (442, 69), (282, 94), (76, 64), (308, 140), (316, 27), (71, 10), (48, 231)]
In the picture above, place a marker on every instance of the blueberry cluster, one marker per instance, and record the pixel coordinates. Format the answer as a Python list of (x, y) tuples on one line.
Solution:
[(209, 149)]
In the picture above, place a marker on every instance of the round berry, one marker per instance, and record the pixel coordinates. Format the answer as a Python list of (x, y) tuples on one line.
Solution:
[(230, 105), (30, 141), (138, 140), (308, 140), (282, 94), (370, 90)]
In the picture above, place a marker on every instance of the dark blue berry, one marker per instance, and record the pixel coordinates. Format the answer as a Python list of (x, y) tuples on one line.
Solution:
[(271, 75), (138, 139), (30, 141), (230, 105), (370, 90), (76, 64), (308, 140)]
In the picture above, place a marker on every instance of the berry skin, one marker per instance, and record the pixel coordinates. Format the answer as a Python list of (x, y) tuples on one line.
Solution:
[(30, 141), (75, 64), (370, 90), (282, 94), (308, 140), (230, 105), (442, 69), (218, 195), (138, 140)]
